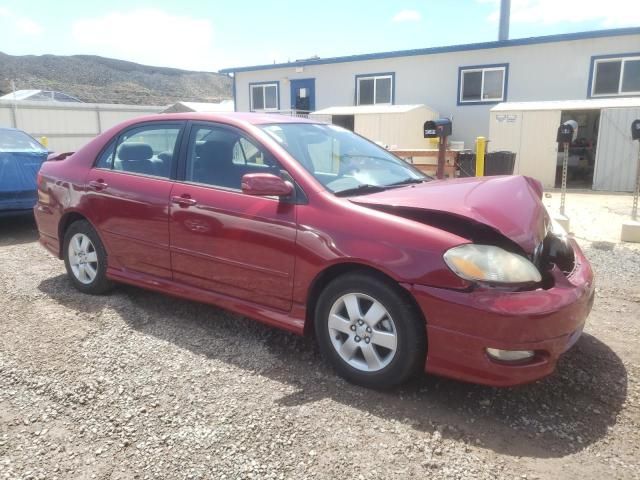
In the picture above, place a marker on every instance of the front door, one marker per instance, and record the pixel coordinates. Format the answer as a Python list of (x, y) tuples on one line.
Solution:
[(128, 197), (221, 239), (303, 94)]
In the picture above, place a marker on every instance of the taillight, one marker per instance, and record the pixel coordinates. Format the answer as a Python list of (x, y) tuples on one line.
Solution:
[(39, 180)]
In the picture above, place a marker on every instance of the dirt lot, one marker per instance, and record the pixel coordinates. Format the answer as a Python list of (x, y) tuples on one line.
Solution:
[(138, 385)]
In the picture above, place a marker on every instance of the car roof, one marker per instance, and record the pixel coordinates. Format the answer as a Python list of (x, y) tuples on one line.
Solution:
[(252, 118)]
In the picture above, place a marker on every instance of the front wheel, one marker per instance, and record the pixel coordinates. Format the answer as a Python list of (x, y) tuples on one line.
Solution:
[(85, 258), (369, 331)]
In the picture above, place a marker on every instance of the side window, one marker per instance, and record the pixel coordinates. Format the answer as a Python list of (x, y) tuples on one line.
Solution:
[(220, 157), (147, 150)]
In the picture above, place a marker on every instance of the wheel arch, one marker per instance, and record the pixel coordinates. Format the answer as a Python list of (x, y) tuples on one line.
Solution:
[(66, 221), (334, 271)]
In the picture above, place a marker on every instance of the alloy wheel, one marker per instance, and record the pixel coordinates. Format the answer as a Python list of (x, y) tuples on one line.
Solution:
[(362, 332), (83, 258)]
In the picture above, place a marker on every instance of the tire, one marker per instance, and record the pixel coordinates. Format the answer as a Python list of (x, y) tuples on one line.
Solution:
[(357, 339), (85, 259)]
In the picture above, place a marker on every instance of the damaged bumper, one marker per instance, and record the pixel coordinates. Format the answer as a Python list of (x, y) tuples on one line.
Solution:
[(461, 326)]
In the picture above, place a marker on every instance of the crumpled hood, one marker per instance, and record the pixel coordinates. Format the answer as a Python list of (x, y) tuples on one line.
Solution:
[(511, 205)]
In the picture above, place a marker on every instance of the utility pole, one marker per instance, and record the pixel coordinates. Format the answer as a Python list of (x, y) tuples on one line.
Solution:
[(505, 13)]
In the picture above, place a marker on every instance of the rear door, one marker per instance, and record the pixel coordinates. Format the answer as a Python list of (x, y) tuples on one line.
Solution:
[(128, 196), (221, 239)]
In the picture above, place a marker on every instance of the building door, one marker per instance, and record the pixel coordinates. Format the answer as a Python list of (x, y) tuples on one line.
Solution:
[(303, 94)]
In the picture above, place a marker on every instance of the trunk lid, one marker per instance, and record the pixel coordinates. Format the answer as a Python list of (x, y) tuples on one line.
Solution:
[(511, 205)]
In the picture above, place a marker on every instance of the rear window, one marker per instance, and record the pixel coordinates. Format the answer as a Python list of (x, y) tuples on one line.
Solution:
[(17, 141)]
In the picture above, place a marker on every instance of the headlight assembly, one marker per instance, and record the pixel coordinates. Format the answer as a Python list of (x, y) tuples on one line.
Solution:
[(486, 263)]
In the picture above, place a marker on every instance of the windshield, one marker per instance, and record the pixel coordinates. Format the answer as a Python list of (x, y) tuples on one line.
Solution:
[(17, 141), (343, 162)]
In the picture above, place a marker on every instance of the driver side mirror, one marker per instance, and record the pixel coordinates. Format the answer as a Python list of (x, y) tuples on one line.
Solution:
[(265, 185)]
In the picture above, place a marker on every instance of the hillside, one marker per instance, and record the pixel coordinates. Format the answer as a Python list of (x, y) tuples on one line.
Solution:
[(106, 80)]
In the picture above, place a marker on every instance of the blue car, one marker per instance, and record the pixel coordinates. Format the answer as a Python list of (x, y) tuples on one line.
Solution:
[(20, 159)]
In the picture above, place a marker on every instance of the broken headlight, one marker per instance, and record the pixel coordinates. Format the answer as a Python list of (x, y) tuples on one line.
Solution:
[(486, 263)]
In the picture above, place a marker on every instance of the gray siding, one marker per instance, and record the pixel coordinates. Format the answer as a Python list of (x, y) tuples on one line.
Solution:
[(549, 71)]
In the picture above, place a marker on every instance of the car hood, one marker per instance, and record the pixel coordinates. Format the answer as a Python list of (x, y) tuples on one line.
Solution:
[(511, 205)]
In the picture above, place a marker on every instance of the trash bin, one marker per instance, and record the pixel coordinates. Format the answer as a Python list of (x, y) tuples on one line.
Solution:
[(495, 163), (467, 163), (499, 163)]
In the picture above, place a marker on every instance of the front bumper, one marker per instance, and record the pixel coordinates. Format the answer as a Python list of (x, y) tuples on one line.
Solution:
[(462, 325)]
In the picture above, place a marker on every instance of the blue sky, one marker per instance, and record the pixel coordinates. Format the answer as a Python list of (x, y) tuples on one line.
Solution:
[(209, 35)]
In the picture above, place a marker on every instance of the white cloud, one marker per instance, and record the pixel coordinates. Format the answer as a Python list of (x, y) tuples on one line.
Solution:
[(19, 24), (407, 16), (609, 14), (150, 36)]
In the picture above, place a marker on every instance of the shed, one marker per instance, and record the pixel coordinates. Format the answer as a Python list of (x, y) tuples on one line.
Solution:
[(40, 96), (603, 157), (181, 107), (397, 126)]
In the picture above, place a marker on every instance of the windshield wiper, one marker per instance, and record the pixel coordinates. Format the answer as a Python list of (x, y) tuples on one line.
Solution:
[(407, 181), (364, 188)]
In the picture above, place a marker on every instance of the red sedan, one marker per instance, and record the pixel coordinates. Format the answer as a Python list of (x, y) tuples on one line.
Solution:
[(313, 229)]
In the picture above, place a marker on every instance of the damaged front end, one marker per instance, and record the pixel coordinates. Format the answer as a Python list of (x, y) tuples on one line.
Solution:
[(513, 242)]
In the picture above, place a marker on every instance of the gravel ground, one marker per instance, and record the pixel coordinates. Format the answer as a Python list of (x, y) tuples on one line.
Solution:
[(138, 385)]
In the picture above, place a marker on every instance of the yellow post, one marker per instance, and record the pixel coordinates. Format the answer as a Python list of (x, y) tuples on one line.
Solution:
[(481, 147), (44, 141)]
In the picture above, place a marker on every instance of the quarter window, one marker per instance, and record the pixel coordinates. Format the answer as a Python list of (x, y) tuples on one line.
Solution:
[(616, 76), (482, 84), (264, 96), (374, 90)]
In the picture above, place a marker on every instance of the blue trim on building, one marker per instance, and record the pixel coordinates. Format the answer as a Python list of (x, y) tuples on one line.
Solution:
[(592, 71), (291, 93), (383, 74), (483, 102), (272, 82), (563, 37)]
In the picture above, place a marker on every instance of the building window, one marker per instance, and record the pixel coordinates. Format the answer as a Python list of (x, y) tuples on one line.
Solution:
[(264, 96), (482, 84), (615, 76), (376, 89)]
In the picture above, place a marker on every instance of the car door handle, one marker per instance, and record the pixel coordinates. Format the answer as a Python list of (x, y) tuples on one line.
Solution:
[(97, 185), (184, 201)]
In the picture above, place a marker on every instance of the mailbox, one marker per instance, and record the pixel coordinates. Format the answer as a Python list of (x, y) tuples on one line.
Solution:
[(439, 128), (635, 129), (567, 132)]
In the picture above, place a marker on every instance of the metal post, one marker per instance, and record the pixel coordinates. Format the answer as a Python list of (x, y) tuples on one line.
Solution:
[(442, 151), (98, 120), (565, 167), (14, 110), (481, 148), (636, 193)]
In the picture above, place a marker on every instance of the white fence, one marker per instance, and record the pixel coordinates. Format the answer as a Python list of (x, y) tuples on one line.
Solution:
[(67, 126)]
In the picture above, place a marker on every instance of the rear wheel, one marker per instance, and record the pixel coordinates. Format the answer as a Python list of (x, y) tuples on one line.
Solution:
[(85, 258), (369, 331)]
